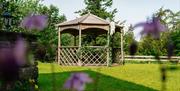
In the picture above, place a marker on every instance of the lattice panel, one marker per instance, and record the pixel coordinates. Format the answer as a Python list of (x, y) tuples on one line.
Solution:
[(69, 56), (94, 56)]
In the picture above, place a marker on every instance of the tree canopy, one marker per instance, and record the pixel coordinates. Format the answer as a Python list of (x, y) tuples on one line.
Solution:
[(150, 46), (99, 8), (47, 39)]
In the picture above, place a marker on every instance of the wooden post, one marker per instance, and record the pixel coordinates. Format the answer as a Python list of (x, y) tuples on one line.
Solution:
[(79, 61), (108, 50), (122, 49), (79, 36), (74, 40), (59, 45)]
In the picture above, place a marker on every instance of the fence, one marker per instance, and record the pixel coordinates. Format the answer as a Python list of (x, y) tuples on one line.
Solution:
[(151, 58)]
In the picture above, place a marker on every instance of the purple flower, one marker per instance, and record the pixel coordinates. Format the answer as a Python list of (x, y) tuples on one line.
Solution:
[(11, 58), (37, 22), (8, 66), (152, 27), (77, 81), (20, 50)]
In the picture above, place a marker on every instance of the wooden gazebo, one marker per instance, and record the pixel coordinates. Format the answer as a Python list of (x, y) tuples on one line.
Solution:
[(78, 54)]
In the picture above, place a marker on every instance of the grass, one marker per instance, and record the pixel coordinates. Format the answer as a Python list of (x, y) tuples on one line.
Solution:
[(131, 77)]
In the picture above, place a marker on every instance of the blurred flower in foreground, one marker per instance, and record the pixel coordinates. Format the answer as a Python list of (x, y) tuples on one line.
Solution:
[(8, 66), (11, 58), (37, 22), (152, 27), (77, 81), (20, 50)]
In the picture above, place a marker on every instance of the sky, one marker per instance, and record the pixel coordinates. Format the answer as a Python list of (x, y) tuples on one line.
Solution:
[(133, 11)]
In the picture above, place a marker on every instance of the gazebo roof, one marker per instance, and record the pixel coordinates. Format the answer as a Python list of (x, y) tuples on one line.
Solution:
[(87, 23), (86, 19)]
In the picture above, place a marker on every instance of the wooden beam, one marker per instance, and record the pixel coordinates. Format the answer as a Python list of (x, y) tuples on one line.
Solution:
[(122, 49), (80, 34), (74, 40), (108, 47), (59, 44)]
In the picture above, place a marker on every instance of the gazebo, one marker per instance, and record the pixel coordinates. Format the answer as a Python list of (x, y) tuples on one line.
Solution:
[(87, 55)]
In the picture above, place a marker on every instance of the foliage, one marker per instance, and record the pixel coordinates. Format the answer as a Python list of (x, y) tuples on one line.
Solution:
[(149, 46), (176, 40), (116, 40), (169, 18), (67, 40), (99, 8), (47, 39), (25, 85), (101, 40), (18, 9), (89, 39), (128, 38), (49, 36)]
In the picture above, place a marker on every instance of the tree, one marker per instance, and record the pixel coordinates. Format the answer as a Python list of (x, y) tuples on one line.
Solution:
[(176, 40), (149, 46), (172, 20), (169, 18), (47, 39), (99, 8), (18, 9), (128, 38)]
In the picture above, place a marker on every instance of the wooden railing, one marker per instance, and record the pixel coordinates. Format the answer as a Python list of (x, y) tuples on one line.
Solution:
[(151, 58)]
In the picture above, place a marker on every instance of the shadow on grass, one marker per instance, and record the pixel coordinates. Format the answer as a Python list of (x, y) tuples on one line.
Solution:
[(104, 83)]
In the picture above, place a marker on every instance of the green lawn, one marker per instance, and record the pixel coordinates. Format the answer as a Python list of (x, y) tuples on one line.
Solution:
[(131, 77)]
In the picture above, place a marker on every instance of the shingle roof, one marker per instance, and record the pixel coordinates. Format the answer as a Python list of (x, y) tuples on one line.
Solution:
[(85, 19)]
